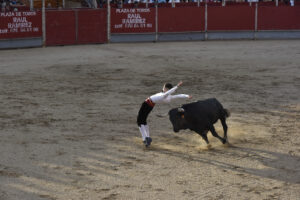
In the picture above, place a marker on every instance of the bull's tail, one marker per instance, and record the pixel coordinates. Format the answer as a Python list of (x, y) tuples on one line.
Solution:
[(226, 113)]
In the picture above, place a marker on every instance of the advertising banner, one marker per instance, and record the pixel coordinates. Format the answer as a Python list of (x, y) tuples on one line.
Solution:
[(133, 20), (23, 24)]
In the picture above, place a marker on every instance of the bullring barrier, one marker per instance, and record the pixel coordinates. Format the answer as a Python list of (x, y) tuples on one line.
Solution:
[(165, 23)]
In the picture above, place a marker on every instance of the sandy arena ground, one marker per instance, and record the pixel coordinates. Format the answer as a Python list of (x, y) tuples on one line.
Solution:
[(68, 122)]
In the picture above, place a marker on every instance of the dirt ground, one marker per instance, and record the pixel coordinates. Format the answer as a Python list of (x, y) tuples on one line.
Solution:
[(68, 122)]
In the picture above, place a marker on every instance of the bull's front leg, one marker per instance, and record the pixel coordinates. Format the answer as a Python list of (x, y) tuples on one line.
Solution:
[(214, 133), (203, 134)]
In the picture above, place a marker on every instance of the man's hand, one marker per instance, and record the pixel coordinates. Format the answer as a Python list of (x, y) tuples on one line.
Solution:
[(179, 84), (190, 96)]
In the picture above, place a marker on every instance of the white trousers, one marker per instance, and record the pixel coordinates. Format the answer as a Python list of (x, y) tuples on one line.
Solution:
[(144, 129)]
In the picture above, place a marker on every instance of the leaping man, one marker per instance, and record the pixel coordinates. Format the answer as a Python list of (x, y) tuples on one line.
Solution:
[(162, 97)]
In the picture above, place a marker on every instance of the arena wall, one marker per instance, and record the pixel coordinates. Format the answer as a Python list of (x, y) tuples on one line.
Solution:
[(60, 27), (278, 18), (231, 18), (190, 19), (184, 22), (76, 27)]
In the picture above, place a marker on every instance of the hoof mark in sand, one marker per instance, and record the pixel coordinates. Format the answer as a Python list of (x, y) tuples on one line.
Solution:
[(3, 195), (188, 192), (102, 190), (45, 196), (127, 163), (8, 173), (181, 182), (111, 196)]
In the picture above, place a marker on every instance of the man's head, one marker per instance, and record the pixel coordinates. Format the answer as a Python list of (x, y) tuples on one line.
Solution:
[(167, 87)]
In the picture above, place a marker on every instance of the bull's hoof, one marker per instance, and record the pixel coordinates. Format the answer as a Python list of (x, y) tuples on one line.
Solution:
[(224, 141)]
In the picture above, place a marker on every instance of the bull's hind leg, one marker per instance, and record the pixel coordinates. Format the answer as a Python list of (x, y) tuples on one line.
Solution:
[(213, 131), (223, 121)]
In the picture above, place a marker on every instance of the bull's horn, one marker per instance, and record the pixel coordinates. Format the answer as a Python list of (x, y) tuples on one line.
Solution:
[(181, 110)]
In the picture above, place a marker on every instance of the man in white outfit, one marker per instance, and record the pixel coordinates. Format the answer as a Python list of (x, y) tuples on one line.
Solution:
[(147, 106)]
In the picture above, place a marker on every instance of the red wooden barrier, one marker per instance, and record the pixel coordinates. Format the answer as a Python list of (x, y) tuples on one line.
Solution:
[(60, 27), (23, 24), (133, 20), (181, 19), (66, 27), (92, 26), (231, 18), (232, 3), (278, 18), (186, 4), (267, 3)]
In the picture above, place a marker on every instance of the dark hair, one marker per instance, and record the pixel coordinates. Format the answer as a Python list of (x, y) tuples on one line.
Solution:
[(168, 85)]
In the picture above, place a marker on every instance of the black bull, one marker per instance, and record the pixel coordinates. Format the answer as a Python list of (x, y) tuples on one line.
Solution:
[(200, 117)]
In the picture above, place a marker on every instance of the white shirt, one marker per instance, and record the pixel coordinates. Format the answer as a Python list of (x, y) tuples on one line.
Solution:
[(166, 97)]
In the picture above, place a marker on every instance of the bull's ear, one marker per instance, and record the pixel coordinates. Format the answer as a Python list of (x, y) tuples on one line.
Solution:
[(181, 110)]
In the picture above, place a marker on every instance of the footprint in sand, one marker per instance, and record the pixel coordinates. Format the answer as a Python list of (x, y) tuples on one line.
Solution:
[(111, 196), (9, 173)]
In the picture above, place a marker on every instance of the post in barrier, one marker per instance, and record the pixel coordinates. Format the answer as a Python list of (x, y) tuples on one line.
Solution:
[(76, 25), (223, 2), (108, 20), (44, 23), (156, 22), (205, 29), (255, 26)]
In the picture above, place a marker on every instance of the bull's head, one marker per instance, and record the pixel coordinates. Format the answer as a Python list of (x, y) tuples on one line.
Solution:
[(177, 119)]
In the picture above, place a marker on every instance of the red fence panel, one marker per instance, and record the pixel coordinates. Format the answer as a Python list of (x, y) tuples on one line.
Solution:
[(133, 20), (23, 24), (60, 27), (181, 19), (278, 18), (92, 26), (185, 4), (231, 18)]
